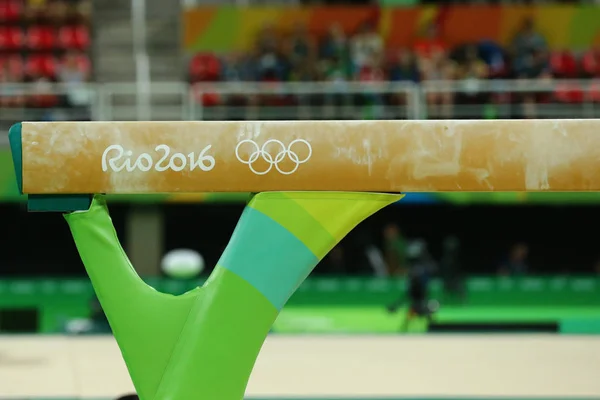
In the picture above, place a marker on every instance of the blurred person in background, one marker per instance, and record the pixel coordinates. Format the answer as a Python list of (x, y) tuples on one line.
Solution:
[(516, 262), (526, 41), (371, 101), (334, 45), (421, 268), (239, 67), (395, 248), (366, 48), (437, 68), (271, 65), (471, 72), (74, 76), (536, 66), (129, 397), (402, 68), (450, 269), (429, 42), (530, 60), (301, 49)]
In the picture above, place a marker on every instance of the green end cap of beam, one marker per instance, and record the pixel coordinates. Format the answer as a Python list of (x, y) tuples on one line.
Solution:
[(47, 203), (59, 203), (16, 148)]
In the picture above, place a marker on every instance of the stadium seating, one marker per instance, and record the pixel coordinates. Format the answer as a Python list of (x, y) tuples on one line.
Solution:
[(563, 65), (11, 38), (34, 40), (10, 10)]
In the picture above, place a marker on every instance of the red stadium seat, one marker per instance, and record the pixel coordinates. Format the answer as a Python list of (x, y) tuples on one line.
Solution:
[(564, 64), (14, 64), (595, 91), (41, 64), (205, 97), (590, 63), (205, 68), (10, 10), (569, 93), (74, 37), (11, 38), (41, 38)]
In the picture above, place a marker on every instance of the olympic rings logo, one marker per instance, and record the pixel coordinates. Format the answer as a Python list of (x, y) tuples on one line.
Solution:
[(273, 161)]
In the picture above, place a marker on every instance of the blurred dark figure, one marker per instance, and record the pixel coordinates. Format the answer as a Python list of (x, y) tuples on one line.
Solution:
[(450, 269), (404, 67), (395, 250), (420, 271), (516, 264), (526, 42), (129, 397), (300, 46)]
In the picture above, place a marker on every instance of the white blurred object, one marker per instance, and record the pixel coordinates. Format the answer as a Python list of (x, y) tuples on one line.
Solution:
[(416, 248), (182, 263), (79, 326)]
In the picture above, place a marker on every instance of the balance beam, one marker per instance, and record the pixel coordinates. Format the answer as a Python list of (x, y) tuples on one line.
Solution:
[(314, 184), (359, 156)]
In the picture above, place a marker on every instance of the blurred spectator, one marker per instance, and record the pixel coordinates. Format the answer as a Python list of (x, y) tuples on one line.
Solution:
[(366, 48), (471, 72), (300, 57), (525, 44), (74, 76), (239, 67), (534, 66), (495, 58), (271, 66), (451, 269), (429, 43), (303, 72), (438, 68), (395, 250), (336, 71), (334, 45), (301, 47), (516, 263), (10, 94), (403, 67)]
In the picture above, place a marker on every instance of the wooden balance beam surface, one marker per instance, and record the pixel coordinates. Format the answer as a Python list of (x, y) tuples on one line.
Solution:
[(374, 156)]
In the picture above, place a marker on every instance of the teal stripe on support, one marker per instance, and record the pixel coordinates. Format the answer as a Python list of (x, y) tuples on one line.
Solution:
[(268, 256)]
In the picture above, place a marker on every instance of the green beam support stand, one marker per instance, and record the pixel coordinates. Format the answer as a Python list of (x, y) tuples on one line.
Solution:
[(203, 344)]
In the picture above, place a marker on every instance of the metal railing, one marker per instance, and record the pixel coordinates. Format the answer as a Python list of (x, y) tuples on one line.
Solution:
[(305, 101), (311, 100)]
